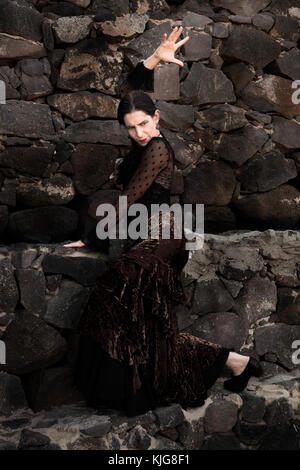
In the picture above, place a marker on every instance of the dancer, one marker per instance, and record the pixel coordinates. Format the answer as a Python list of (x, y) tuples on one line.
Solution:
[(131, 356)]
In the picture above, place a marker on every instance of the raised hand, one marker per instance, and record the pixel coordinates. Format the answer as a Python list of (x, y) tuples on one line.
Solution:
[(168, 46)]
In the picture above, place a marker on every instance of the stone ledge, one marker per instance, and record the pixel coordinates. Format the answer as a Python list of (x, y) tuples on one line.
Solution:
[(248, 278), (265, 416)]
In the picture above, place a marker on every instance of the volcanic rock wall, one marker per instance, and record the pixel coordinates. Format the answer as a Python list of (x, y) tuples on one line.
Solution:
[(232, 115), (242, 291)]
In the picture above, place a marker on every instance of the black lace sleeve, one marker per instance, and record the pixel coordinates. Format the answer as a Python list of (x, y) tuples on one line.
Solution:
[(89, 236), (154, 159), (139, 78)]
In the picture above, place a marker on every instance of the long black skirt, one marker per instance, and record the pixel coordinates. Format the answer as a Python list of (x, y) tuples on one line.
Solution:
[(131, 355)]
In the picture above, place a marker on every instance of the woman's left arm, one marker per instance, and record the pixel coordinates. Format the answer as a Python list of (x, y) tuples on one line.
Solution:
[(154, 159)]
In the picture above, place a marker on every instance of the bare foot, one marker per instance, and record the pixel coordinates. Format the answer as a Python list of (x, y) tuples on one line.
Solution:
[(77, 244)]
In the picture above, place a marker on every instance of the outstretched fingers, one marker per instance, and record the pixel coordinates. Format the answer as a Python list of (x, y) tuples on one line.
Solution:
[(169, 46), (175, 33), (178, 62), (164, 39), (183, 41)]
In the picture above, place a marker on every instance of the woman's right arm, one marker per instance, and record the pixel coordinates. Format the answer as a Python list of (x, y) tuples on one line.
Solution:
[(142, 76)]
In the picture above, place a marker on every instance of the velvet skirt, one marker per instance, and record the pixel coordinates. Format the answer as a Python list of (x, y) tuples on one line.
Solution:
[(131, 355)]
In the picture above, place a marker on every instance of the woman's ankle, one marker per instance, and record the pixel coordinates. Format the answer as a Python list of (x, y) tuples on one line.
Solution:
[(237, 362), (242, 366)]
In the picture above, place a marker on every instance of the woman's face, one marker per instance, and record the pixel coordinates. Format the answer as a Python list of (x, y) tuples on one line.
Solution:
[(141, 127)]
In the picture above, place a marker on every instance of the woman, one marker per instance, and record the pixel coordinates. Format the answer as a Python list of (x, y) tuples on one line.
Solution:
[(131, 355)]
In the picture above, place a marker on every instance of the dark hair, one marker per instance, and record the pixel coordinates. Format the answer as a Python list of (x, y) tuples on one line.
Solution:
[(135, 100)]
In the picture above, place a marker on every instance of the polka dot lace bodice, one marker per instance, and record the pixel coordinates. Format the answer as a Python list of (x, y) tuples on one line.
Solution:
[(155, 165)]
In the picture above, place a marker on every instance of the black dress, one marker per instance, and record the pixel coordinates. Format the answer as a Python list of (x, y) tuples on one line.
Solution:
[(131, 356)]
